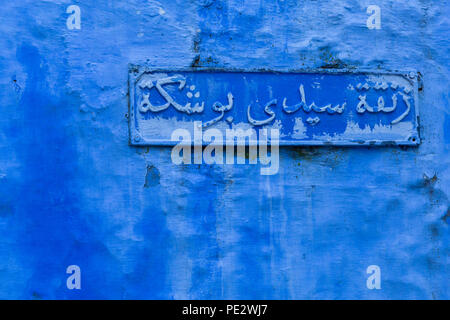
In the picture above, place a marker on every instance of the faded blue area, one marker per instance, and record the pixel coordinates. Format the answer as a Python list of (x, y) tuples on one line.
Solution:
[(74, 192)]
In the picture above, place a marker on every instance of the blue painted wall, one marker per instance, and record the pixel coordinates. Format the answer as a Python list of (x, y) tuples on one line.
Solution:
[(72, 191)]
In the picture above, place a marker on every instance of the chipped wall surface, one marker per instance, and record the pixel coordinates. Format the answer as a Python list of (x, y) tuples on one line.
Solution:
[(73, 192)]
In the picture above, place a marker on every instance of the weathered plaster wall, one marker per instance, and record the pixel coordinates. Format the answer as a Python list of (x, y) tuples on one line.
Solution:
[(72, 191)]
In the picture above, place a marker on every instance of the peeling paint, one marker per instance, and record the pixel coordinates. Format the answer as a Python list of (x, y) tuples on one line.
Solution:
[(73, 191)]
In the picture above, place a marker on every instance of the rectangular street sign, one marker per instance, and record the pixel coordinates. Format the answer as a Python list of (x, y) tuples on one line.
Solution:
[(307, 108)]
